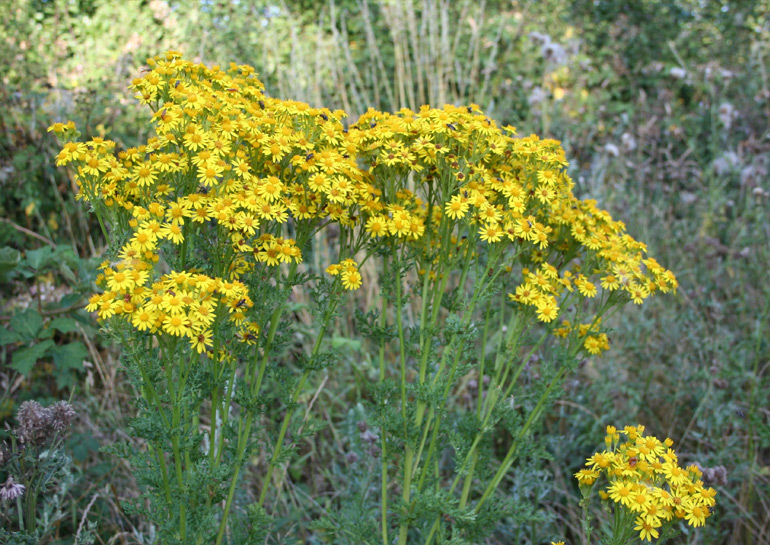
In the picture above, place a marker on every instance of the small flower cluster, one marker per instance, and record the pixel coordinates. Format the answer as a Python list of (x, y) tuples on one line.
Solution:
[(644, 478), (179, 304), (348, 272)]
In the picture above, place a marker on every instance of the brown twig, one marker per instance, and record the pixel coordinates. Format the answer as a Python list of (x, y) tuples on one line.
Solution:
[(29, 232)]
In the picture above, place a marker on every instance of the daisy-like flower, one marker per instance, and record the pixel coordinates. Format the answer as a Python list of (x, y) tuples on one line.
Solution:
[(351, 279), (491, 232), (647, 528), (172, 232), (456, 208)]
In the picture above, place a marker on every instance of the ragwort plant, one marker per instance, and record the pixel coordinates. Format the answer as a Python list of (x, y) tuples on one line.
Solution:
[(471, 227)]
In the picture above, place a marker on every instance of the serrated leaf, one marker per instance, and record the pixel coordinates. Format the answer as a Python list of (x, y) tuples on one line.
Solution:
[(64, 325), (9, 259), (24, 359), (27, 324), (8, 337), (37, 258), (69, 300), (69, 356)]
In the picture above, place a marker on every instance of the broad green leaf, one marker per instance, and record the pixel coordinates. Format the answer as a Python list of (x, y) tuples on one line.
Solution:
[(24, 359), (69, 356), (67, 273), (9, 259), (37, 258), (27, 324), (69, 300), (64, 325), (66, 358), (7, 336)]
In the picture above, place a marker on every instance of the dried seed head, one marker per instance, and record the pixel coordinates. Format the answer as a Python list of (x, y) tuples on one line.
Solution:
[(62, 415), (369, 437), (713, 476), (38, 424)]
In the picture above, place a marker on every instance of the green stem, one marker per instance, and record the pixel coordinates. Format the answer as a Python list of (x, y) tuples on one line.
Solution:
[(244, 431), (295, 396), (407, 483), (384, 458), (175, 446), (509, 457)]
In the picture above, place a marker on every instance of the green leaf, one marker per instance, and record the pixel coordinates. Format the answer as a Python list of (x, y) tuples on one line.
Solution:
[(69, 300), (9, 259), (7, 336), (25, 359), (69, 356), (67, 273), (27, 324), (64, 325), (37, 258)]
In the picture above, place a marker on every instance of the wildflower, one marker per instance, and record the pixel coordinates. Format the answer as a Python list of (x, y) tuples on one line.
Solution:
[(547, 310), (201, 341), (176, 324), (172, 232), (490, 232), (10, 490), (647, 528), (696, 515), (456, 208), (377, 226), (351, 279)]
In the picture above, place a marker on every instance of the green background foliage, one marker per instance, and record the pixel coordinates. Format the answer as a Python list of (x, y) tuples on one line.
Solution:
[(661, 105)]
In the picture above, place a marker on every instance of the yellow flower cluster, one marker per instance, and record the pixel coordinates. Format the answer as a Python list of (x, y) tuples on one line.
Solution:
[(348, 272), (227, 163), (490, 186), (179, 304), (644, 477), (594, 342)]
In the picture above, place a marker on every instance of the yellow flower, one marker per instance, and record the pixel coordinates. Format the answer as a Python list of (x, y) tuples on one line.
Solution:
[(456, 208), (202, 340), (351, 279), (172, 232), (490, 233), (647, 528), (377, 226), (547, 310), (144, 319), (176, 324)]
